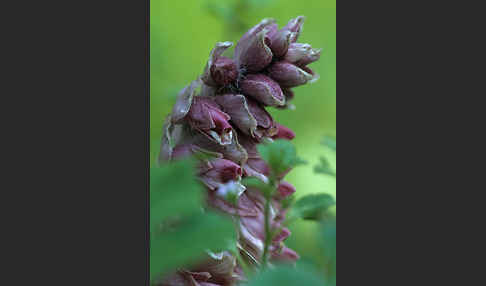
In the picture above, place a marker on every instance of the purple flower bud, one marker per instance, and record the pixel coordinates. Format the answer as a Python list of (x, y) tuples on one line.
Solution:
[(248, 115), (219, 70), (252, 53), (205, 115), (283, 133), (224, 71), (285, 255), (220, 171), (285, 189), (264, 89), (290, 75), (283, 235), (302, 54), (279, 40), (295, 26)]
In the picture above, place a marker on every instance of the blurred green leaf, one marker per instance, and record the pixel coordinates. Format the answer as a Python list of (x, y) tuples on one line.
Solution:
[(259, 3), (280, 155), (287, 201), (188, 241), (225, 12), (311, 207), (328, 240), (173, 190), (329, 142), (180, 231), (287, 276), (252, 182), (324, 168)]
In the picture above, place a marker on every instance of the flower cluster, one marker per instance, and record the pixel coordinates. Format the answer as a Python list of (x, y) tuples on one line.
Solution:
[(220, 118)]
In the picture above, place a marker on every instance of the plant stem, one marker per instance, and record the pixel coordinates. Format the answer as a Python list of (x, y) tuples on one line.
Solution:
[(244, 266), (268, 235)]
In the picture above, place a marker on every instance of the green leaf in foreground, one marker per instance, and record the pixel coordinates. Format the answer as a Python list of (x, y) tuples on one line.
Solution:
[(180, 232), (287, 276), (280, 155), (324, 167), (311, 207), (173, 190), (188, 241), (328, 244)]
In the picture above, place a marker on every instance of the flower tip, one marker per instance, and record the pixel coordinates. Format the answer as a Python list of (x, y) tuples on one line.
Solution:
[(225, 45), (267, 21), (285, 189), (283, 132)]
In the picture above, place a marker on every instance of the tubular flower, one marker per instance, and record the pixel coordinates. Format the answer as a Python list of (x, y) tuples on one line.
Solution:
[(222, 115)]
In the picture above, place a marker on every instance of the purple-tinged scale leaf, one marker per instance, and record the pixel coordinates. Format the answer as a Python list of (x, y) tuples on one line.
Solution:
[(207, 90), (206, 116), (302, 54), (173, 135), (184, 101), (233, 151), (166, 144), (295, 26), (252, 52), (290, 75), (251, 118), (219, 70), (243, 42), (263, 89), (218, 172), (279, 40)]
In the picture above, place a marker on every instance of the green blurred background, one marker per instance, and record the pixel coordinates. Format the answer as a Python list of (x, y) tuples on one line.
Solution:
[(182, 34)]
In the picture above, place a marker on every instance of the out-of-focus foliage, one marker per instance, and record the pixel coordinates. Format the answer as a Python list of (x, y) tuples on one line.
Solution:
[(180, 230), (280, 155), (311, 207), (287, 276), (324, 166), (328, 245)]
